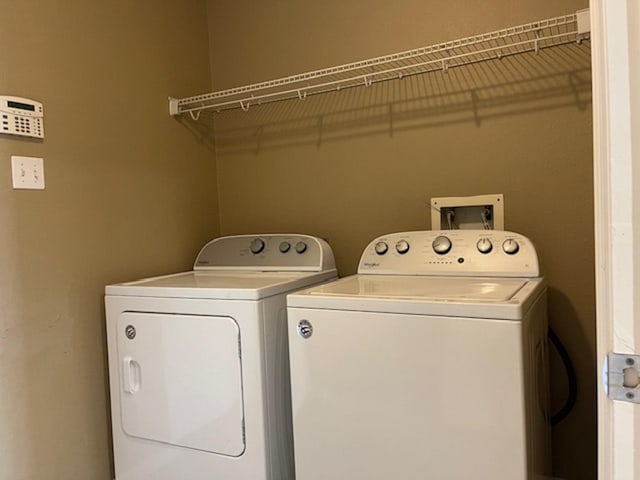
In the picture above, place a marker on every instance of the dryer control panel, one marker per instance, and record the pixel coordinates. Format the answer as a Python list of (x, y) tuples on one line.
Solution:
[(266, 252), (491, 253)]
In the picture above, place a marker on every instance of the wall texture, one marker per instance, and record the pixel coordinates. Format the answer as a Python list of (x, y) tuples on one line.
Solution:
[(352, 165), (129, 192)]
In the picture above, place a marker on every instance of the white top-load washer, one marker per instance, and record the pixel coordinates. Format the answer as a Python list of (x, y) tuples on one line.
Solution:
[(198, 362), (430, 363)]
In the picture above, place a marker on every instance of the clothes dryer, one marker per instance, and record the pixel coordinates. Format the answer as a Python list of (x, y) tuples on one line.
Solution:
[(430, 363), (198, 362)]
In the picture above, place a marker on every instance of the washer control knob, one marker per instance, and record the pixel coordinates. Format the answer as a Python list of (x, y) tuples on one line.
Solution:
[(257, 246), (381, 248), (402, 247), (441, 245), (285, 247), (484, 245), (510, 246), (301, 247)]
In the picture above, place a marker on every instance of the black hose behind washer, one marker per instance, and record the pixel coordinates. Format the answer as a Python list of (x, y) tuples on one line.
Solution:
[(571, 378)]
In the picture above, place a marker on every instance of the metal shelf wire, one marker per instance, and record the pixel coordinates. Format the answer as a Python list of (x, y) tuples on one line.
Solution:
[(529, 38)]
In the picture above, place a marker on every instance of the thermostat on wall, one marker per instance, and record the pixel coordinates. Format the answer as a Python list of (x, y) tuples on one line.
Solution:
[(21, 116)]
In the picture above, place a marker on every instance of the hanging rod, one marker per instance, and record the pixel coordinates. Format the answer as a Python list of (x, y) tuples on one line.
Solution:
[(532, 37)]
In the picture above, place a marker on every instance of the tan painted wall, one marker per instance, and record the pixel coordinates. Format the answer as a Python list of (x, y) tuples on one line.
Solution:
[(356, 164), (129, 192)]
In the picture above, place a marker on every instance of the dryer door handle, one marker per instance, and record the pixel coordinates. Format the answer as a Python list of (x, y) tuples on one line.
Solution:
[(131, 375)]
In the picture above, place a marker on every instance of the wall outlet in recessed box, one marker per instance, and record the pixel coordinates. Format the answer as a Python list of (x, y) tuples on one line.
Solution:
[(480, 212)]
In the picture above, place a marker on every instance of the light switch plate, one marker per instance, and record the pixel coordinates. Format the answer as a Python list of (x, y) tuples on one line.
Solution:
[(28, 172)]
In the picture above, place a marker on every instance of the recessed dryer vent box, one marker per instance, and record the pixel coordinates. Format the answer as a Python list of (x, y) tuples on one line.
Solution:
[(480, 212)]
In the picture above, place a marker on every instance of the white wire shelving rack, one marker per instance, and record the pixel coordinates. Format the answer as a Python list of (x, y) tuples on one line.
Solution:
[(529, 38)]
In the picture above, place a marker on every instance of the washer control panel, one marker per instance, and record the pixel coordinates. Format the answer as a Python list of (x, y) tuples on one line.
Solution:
[(451, 252), (267, 252)]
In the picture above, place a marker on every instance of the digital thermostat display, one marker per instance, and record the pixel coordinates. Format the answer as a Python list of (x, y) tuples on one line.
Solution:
[(21, 116)]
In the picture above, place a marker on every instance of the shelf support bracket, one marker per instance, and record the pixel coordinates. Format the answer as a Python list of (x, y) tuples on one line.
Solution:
[(536, 42), (583, 20), (174, 109), (244, 106)]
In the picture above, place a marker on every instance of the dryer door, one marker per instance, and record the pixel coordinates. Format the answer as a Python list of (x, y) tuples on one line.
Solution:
[(180, 380)]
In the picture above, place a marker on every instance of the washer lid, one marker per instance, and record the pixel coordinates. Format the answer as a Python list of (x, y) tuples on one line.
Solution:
[(238, 285), (478, 297), (424, 288)]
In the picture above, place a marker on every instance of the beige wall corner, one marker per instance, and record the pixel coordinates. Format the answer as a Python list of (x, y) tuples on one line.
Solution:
[(130, 191)]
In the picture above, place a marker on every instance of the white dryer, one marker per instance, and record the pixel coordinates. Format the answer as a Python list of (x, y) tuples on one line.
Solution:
[(430, 363), (198, 362)]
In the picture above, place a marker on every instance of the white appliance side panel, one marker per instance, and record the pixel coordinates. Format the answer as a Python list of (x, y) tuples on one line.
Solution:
[(277, 388), (181, 380), (535, 346), (378, 396)]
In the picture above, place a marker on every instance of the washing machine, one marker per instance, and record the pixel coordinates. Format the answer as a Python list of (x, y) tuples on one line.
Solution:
[(429, 364), (198, 362)]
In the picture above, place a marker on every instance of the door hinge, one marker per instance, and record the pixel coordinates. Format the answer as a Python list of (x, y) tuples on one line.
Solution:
[(622, 377)]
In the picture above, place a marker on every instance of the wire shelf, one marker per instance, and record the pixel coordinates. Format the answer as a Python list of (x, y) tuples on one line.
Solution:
[(529, 38)]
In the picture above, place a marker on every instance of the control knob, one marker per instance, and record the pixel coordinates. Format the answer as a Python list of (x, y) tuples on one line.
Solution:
[(257, 246), (484, 245), (510, 246), (285, 247), (301, 247), (441, 245), (402, 247), (381, 248)]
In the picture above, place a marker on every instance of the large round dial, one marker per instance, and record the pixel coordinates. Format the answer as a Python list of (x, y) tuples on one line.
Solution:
[(301, 247), (484, 245), (402, 247), (510, 246), (257, 245), (441, 245), (381, 248)]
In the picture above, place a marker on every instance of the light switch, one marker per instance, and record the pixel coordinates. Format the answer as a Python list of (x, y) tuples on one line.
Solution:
[(28, 172)]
